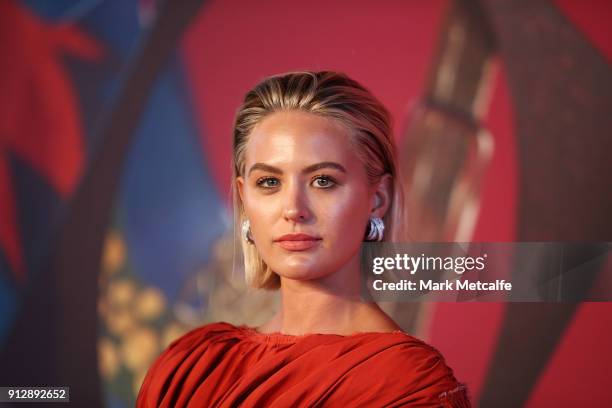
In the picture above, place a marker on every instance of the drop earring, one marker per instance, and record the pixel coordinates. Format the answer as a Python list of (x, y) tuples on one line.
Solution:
[(376, 230), (246, 232)]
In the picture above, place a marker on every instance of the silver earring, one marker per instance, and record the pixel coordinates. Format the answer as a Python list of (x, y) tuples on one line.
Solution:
[(376, 230), (246, 232)]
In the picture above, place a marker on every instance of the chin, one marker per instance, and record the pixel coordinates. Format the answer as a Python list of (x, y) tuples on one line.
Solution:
[(298, 271)]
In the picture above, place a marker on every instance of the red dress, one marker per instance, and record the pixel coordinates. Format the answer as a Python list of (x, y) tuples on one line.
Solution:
[(222, 365)]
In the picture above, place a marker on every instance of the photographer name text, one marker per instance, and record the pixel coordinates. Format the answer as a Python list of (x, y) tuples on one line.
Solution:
[(448, 285)]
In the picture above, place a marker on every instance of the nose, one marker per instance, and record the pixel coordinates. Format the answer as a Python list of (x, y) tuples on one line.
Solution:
[(296, 205)]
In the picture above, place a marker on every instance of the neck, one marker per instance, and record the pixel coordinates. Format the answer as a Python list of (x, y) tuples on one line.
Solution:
[(330, 304)]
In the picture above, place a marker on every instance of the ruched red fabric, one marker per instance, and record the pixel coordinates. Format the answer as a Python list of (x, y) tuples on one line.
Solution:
[(223, 365)]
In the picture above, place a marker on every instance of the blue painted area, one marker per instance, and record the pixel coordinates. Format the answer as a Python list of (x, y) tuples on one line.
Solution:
[(61, 10), (115, 26), (114, 22), (168, 204), (93, 84), (8, 301)]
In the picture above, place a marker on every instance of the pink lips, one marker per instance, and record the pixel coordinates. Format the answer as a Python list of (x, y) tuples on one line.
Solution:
[(297, 242)]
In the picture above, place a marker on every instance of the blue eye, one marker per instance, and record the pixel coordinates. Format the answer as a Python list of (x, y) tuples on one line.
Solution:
[(324, 182), (268, 182)]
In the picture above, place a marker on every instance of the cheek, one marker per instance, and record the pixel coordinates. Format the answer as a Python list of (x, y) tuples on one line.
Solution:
[(258, 205), (346, 215)]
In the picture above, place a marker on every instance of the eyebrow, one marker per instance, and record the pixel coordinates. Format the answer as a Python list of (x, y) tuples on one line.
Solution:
[(309, 169)]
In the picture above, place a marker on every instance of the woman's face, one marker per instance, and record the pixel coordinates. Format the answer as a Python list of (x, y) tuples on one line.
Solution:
[(302, 177)]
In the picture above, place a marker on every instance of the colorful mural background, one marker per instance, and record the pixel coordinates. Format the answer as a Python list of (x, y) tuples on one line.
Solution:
[(115, 222)]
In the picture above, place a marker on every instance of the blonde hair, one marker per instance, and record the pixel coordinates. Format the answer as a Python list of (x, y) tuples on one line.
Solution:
[(331, 95)]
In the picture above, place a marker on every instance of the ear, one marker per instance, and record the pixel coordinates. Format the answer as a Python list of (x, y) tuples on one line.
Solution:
[(240, 187), (382, 195)]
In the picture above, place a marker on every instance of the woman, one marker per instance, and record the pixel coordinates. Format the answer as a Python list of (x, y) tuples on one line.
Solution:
[(315, 175)]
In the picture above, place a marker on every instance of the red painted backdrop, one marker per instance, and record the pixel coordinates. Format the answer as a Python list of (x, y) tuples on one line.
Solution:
[(389, 48)]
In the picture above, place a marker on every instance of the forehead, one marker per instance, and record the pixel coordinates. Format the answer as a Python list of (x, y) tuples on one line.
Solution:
[(293, 137)]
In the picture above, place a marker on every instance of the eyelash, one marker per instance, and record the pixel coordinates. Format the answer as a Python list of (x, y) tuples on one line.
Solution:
[(261, 182)]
